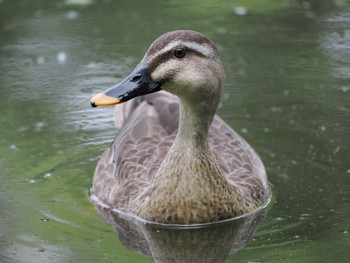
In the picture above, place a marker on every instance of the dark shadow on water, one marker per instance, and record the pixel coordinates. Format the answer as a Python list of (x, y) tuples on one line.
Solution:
[(201, 243)]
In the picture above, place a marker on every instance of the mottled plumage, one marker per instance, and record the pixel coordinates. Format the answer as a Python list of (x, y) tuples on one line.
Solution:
[(164, 165)]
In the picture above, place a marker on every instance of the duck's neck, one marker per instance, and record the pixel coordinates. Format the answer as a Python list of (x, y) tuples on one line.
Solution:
[(194, 124), (189, 186), (190, 155)]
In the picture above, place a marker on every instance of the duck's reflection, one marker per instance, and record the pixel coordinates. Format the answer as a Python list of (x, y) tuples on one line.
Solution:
[(201, 243)]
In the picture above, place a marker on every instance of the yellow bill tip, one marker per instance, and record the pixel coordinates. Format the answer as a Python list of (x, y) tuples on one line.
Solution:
[(102, 99)]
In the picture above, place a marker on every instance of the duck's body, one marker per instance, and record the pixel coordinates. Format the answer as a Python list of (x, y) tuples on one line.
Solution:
[(173, 161)]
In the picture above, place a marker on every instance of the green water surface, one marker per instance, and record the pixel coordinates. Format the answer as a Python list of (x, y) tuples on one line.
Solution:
[(287, 92)]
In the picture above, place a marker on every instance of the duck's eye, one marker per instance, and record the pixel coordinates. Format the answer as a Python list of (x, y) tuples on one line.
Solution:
[(179, 52)]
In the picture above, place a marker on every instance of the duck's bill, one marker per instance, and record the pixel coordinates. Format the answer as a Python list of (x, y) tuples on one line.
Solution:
[(139, 82)]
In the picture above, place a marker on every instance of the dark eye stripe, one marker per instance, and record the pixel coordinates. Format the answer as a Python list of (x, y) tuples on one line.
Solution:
[(160, 59)]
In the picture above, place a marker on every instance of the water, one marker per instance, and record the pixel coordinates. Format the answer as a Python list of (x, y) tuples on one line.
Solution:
[(287, 92)]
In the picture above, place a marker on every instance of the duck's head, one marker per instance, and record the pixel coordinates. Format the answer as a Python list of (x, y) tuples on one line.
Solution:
[(185, 63)]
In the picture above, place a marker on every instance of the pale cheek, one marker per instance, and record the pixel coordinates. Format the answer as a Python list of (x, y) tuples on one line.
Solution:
[(189, 77), (164, 70), (194, 73)]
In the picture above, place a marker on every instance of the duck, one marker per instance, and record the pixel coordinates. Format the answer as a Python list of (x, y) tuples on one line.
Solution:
[(173, 160)]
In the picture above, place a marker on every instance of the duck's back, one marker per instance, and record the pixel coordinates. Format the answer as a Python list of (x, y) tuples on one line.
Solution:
[(147, 128)]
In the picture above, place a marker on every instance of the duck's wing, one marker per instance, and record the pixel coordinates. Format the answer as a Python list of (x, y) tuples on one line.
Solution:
[(240, 163), (147, 127)]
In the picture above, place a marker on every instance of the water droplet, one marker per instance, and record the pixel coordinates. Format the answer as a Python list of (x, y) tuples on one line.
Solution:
[(303, 216), (79, 2), (344, 89), (61, 57), (47, 175), (244, 130), (336, 150), (285, 92), (39, 126), (13, 147), (40, 60), (240, 10), (276, 109), (71, 15)]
